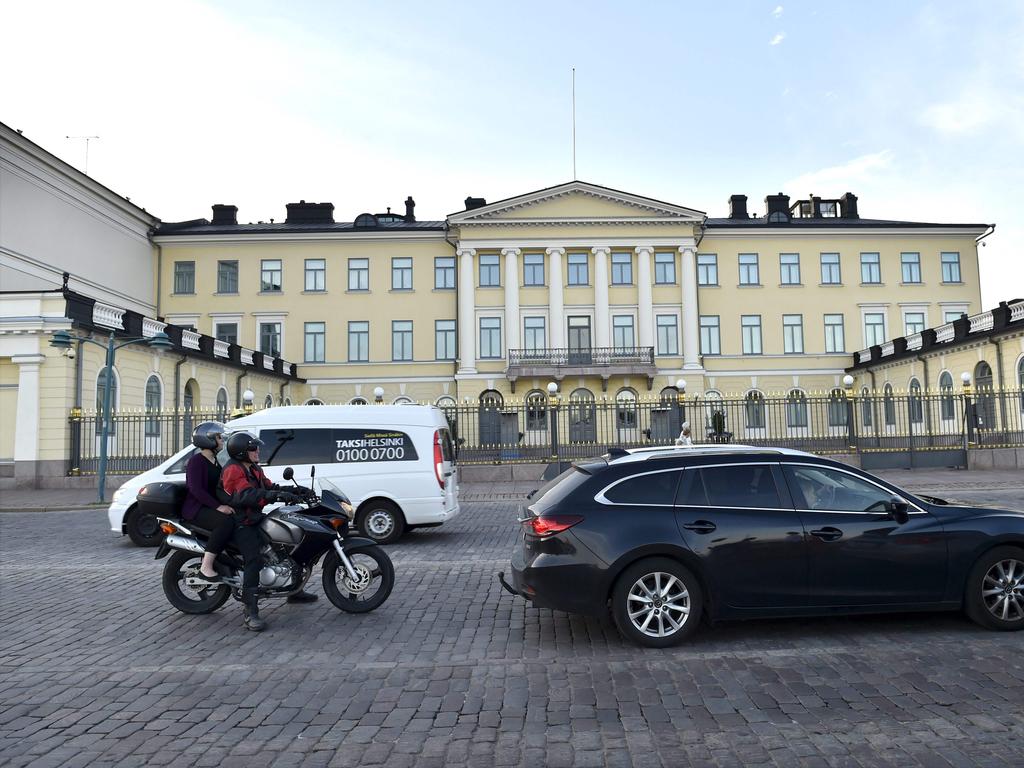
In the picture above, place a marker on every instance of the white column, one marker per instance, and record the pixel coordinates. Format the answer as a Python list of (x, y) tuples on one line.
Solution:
[(556, 299), (645, 303), (467, 315), (602, 321), (26, 420), (691, 321), (511, 298)]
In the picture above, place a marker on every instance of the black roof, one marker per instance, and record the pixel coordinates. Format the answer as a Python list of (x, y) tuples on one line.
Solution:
[(204, 227), (828, 222)]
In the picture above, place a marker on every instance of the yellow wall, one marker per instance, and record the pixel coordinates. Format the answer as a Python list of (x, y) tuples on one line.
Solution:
[(8, 407)]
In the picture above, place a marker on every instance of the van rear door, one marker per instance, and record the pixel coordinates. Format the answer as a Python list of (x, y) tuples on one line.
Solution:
[(448, 469)]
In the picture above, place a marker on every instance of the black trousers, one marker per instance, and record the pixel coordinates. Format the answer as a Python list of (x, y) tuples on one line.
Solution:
[(247, 539), (221, 528)]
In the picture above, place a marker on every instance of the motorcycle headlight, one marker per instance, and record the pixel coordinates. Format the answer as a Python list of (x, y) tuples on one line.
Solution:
[(347, 508)]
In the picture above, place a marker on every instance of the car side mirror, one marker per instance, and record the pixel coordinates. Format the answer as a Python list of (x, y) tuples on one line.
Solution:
[(899, 510), (289, 473)]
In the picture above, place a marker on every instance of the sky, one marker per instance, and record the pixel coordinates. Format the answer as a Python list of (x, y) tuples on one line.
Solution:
[(917, 108)]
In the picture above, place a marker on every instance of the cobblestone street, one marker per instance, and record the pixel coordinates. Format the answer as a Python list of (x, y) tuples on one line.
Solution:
[(96, 668)]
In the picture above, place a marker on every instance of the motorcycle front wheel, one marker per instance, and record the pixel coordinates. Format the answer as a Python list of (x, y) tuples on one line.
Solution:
[(375, 578), (185, 598)]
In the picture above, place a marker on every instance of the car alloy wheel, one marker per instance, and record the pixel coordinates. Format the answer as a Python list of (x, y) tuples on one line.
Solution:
[(658, 604), (1002, 590)]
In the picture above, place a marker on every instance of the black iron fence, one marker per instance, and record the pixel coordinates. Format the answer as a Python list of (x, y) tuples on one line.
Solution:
[(541, 429)]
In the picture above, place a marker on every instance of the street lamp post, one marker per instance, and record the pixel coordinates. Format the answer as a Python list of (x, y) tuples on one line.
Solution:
[(970, 416), (553, 405), (851, 425), (680, 405), (62, 340)]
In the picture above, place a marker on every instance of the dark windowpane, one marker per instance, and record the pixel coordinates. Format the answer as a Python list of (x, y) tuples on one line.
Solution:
[(297, 446), (659, 488), (745, 485)]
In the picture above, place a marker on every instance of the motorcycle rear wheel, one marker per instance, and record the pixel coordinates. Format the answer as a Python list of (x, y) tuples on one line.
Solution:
[(377, 578), (183, 597)]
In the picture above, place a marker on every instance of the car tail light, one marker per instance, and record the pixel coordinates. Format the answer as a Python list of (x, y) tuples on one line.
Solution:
[(438, 459), (551, 524)]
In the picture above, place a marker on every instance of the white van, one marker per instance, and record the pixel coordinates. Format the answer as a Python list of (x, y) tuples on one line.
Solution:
[(395, 462)]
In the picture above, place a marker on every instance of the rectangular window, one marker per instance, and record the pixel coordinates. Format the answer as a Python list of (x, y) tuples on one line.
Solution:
[(270, 339), (579, 269), (226, 332), (316, 275), (533, 334), (748, 269), (489, 271), (184, 277), (444, 339), (227, 277), (870, 268), (358, 341), (533, 269), (707, 269), (835, 339), (913, 322), (911, 265), (315, 341), (951, 268), (710, 341), (793, 334), (270, 275), (668, 335), (949, 316), (665, 268), (401, 274), (401, 339), (751, 325), (490, 338), (622, 268), (830, 274), (359, 274), (789, 268), (622, 332), (874, 328), (444, 272)]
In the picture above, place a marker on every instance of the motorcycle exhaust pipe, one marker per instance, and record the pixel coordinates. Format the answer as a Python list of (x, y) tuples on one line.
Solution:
[(184, 542)]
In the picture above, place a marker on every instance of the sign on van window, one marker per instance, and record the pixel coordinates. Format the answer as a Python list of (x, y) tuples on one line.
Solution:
[(359, 445)]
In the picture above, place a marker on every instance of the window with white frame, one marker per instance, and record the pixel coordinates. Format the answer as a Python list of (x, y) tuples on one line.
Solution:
[(874, 328), (358, 341), (835, 337), (710, 335), (889, 406), (951, 315), (668, 334), (579, 269), (622, 268), (664, 267), (707, 269), (951, 267), (490, 338), (444, 339), (789, 268), (830, 270), (154, 402), (227, 276), (913, 322), (226, 332), (534, 334), (184, 277), (401, 340), (623, 336), (533, 269), (910, 263), (490, 272), (270, 276), (444, 272), (359, 274), (837, 416), (754, 408), (947, 408), (793, 334), (870, 268), (796, 409), (914, 402), (270, 339), (315, 342), (401, 273), (751, 330), (315, 275), (749, 274)]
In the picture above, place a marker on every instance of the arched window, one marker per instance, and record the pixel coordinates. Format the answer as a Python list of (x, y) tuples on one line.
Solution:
[(947, 408), (669, 395), (317, 401), (754, 408), (446, 401), (287, 401), (866, 407), (985, 402), (490, 398), (154, 402), (489, 417), (1020, 382), (536, 411), (358, 401), (268, 401), (983, 375), (222, 404), (837, 408), (582, 416), (796, 409), (915, 402), (625, 409), (889, 406), (188, 404), (101, 383), (713, 405), (402, 400)]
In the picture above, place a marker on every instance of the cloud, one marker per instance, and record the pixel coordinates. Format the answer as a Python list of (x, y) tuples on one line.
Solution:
[(777, 12), (974, 110), (856, 171), (777, 39)]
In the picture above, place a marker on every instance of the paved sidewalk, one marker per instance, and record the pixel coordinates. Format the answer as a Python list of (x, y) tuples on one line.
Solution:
[(50, 499)]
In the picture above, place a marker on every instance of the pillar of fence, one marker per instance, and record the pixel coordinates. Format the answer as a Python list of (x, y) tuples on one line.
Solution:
[(553, 403)]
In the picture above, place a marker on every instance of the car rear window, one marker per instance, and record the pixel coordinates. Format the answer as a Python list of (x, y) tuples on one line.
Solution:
[(649, 488), (557, 489), (739, 485)]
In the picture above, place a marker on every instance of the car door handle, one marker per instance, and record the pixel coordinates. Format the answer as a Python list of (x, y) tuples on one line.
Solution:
[(828, 534), (700, 526)]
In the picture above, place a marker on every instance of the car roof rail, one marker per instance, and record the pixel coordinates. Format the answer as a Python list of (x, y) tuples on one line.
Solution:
[(615, 452)]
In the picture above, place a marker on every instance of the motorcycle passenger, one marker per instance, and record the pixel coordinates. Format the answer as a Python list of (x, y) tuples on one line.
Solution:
[(248, 489), (202, 476)]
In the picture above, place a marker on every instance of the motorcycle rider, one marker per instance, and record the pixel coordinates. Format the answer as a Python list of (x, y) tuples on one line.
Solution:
[(202, 477), (244, 485)]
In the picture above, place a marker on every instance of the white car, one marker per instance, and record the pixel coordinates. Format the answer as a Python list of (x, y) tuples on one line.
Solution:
[(395, 462)]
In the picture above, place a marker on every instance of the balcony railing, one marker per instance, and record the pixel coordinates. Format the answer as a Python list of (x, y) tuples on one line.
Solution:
[(587, 357)]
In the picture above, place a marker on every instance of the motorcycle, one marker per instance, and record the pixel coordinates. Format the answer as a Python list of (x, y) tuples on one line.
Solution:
[(357, 574)]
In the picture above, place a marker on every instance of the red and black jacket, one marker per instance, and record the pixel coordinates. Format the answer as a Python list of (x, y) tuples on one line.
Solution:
[(246, 489)]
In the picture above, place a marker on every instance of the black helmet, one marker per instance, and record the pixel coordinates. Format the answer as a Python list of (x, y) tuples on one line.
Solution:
[(205, 435), (240, 443)]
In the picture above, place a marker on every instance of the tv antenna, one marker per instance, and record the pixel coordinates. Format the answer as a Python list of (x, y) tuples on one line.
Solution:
[(87, 140)]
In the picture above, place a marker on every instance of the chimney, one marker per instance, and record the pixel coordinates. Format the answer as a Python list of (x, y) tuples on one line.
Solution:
[(777, 204), (737, 206), (848, 206), (309, 213), (225, 214), (815, 206), (410, 208), (475, 202)]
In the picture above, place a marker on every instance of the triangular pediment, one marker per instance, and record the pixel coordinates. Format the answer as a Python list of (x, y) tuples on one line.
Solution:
[(577, 202)]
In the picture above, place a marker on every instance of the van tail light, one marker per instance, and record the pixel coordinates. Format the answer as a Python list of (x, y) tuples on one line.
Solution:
[(438, 459), (551, 524)]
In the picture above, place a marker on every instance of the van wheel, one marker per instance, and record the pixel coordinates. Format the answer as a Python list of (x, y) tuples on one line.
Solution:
[(142, 529), (381, 521)]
